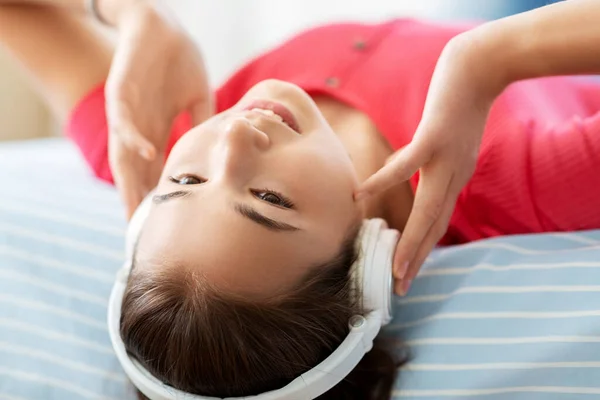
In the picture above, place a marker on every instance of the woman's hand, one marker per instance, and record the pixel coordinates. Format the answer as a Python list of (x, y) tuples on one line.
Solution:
[(157, 72), (444, 149), (473, 69)]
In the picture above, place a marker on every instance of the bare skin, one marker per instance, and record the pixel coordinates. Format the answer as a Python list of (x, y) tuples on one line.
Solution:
[(474, 68), (69, 36), (75, 59), (369, 152)]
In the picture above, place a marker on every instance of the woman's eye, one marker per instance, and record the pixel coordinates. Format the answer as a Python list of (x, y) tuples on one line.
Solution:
[(270, 197), (187, 180), (274, 198)]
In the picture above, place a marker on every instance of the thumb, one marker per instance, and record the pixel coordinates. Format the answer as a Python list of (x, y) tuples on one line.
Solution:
[(402, 166)]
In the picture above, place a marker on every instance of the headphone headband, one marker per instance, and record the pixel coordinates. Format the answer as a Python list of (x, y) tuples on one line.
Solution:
[(372, 272)]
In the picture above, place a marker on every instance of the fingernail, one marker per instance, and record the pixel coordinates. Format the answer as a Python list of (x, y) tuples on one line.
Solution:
[(145, 153), (405, 286), (400, 272), (360, 195)]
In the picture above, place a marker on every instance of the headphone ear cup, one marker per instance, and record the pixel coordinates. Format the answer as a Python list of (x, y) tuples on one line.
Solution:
[(358, 268), (374, 268)]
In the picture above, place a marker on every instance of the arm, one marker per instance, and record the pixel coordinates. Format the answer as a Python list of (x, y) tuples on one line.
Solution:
[(74, 4), (110, 10), (562, 159), (559, 39), (472, 71), (141, 102)]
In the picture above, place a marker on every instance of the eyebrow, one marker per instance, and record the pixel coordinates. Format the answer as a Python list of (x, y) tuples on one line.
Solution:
[(271, 224), (161, 198), (242, 209)]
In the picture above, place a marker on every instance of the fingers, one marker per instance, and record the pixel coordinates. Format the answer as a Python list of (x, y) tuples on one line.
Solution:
[(135, 141), (401, 167), (401, 287), (122, 126), (436, 232), (130, 189), (134, 177), (134, 188), (154, 172), (429, 201)]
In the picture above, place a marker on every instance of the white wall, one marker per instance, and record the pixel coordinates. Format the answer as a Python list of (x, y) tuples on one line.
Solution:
[(23, 115), (232, 31)]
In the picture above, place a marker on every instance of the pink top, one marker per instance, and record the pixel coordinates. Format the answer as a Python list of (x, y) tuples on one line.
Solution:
[(539, 166)]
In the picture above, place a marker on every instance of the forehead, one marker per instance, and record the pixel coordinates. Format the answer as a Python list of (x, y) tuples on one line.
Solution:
[(234, 254)]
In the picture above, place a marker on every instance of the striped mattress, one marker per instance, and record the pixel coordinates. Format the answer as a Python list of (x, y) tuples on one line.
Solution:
[(510, 318)]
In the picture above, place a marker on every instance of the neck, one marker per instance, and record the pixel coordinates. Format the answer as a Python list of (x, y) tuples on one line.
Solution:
[(369, 152)]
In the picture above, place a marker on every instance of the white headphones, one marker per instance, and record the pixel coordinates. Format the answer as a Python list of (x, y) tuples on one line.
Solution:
[(372, 275)]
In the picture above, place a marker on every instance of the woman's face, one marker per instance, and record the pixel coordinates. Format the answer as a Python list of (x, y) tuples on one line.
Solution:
[(251, 202)]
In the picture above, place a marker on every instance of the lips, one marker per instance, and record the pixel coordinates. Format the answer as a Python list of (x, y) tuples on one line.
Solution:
[(279, 109)]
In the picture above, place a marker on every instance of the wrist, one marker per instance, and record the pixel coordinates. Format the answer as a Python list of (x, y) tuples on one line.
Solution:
[(488, 61), (484, 61)]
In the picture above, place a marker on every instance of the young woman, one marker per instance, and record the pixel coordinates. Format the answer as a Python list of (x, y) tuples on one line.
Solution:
[(241, 274)]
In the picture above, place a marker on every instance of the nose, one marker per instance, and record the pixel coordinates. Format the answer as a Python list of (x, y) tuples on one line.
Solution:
[(242, 146)]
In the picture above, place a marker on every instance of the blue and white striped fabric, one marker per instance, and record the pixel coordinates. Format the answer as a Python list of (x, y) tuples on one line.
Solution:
[(512, 318), (61, 242), (503, 319)]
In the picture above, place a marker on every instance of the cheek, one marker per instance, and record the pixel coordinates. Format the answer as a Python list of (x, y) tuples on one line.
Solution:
[(331, 167), (325, 180)]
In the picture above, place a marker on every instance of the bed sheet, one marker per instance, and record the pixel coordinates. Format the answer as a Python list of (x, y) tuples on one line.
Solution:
[(507, 318)]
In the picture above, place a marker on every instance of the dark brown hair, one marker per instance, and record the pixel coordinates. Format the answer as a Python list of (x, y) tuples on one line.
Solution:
[(196, 339)]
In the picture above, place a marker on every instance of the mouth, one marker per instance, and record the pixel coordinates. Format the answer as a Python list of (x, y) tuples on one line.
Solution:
[(275, 110)]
